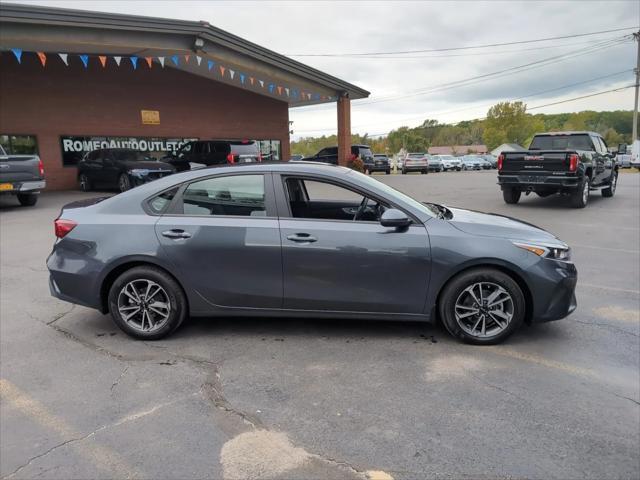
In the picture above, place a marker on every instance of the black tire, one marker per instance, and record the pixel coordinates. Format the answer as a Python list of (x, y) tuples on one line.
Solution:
[(387, 172), (124, 183), (404, 172), (27, 199), (454, 291), (511, 195), (441, 169), (580, 198), (610, 191), (84, 183), (176, 299)]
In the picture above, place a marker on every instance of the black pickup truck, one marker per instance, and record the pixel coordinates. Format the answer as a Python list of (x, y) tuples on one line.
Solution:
[(569, 163), (22, 176)]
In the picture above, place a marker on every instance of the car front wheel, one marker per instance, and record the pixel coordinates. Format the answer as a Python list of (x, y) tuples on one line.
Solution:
[(124, 183), (84, 182), (482, 306), (147, 303)]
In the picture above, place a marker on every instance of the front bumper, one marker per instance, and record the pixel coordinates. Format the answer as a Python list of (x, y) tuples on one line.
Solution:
[(542, 181), (553, 285)]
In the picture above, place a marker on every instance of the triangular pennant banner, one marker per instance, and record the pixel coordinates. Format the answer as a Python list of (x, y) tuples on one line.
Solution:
[(103, 60), (271, 87), (161, 60), (186, 58), (309, 96), (251, 79), (279, 90), (286, 90), (85, 60), (198, 60), (134, 62), (294, 93), (149, 61), (221, 70), (175, 59), (42, 57), (18, 53), (65, 58), (210, 64), (242, 78), (261, 82), (232, 73), (117, 59)]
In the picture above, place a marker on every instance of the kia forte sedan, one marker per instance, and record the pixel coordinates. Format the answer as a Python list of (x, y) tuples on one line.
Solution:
[(308, 241)]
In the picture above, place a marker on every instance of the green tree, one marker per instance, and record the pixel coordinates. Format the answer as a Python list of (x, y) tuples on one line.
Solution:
[(508, 122)]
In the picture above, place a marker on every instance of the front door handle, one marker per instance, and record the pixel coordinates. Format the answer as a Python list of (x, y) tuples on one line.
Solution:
[(176, 234), (302, 238)]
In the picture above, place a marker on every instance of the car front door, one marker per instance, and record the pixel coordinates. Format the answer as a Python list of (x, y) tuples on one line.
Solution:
[(222, 234), (332, 262)]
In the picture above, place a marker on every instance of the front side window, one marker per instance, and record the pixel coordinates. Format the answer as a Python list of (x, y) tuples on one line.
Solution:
[(236, 195)]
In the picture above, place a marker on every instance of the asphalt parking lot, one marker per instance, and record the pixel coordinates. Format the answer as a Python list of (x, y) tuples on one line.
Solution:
[(247, 398)]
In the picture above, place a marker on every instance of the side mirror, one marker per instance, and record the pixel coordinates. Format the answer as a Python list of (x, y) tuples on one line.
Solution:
[(395, 219)]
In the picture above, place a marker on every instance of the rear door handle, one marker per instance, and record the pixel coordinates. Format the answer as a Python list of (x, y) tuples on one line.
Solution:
[(176, 234), (302, 238)]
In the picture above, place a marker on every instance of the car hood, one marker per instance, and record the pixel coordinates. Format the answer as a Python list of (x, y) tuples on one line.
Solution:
[(494, 225), (150, 165)]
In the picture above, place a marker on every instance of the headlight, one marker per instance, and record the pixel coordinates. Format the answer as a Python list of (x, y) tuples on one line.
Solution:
[(547, 251), (139, 172)]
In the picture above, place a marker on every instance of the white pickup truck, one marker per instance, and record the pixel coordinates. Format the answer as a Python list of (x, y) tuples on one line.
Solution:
[(22, 176)]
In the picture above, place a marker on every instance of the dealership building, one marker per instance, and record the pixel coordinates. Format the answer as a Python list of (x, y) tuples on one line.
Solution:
[(72, 81)]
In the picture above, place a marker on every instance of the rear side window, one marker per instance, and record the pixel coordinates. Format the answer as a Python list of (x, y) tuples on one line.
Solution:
[(365, 152), (561, 142), (236, 195), (160, 203)]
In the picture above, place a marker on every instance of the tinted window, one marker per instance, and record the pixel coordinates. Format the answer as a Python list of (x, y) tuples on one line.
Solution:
[(233, 195), (159, 203), (240, 148), (415, 155), (129, 156), (19, 144), (364, 152), (561, 142)]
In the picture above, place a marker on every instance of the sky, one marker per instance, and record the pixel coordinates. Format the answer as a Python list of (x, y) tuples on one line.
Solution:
[(409, 88)]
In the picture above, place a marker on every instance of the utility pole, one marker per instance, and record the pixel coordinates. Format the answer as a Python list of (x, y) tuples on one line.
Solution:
[(634, 135)]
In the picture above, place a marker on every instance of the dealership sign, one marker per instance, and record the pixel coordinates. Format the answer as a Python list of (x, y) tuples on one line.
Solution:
[(74, 148)]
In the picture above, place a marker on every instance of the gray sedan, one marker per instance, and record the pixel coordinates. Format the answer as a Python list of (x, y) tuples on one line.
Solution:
[(308, 241)]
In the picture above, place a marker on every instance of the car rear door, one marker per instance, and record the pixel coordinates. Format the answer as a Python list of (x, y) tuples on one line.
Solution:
[(342, 265), (222, 234)]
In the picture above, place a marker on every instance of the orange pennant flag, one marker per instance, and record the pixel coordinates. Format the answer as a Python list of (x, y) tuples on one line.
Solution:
[(186, 58), (251, 80), (221, 70), (149, 61), (279, 90), (42, 57), (103, 60)]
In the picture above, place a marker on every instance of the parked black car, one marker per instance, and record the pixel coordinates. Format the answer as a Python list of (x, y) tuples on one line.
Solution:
[(120, 168), (296, 157), (570, 163), (330, 154), (214, 152), (22, 176), (378, 163), (304, 241)]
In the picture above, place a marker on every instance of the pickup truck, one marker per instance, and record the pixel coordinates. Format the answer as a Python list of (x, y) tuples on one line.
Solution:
[(569, 163), (22, 176)]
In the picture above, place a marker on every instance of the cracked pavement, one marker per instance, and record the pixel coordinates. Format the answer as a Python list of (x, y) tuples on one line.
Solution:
[(299, 398)]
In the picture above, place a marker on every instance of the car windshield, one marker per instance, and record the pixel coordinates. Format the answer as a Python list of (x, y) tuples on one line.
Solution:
[(561, 142), (393, 193), (380, 156), (447, 157), (131, 156)]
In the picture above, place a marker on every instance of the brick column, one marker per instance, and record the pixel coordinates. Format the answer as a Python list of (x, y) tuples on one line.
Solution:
[(344, 130)]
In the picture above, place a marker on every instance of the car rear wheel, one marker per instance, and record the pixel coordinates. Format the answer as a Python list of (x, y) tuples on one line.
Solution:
[(147, 303), (388, 172), (580, 197), (404, 172), (482, 306), (511, 195), (28, 199), (84, 182), (611, 189), (124, 183)]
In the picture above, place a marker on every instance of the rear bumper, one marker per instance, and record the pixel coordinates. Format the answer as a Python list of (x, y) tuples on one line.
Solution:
[(73, 278), (532, 182), (415, 168), (33, 186), (377, 168)]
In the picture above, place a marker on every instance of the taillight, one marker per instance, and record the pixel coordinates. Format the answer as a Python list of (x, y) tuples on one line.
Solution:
[(63, 226), (41, 167), (353, 157), (231, 158), (500, 161), (260, 157), (573, 162)]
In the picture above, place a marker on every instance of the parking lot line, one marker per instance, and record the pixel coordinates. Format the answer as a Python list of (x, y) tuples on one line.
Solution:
[(102, 457)]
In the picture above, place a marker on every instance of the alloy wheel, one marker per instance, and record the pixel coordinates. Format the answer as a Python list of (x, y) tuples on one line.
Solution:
[(614, 183), (484, 309), (585, 192), (144, 305)]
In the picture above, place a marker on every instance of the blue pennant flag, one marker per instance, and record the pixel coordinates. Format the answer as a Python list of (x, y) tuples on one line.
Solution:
[(210, 64), (18, 53), (242, 78), (175, 59), (271, 87), (85, 60), (294, 93), (134, 62), (317, 96)]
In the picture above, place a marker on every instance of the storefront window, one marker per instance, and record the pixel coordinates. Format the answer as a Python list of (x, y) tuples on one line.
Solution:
[(270, 149), (19, 144)]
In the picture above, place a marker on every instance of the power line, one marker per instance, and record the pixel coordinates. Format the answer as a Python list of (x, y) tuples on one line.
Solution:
[(448, 49)]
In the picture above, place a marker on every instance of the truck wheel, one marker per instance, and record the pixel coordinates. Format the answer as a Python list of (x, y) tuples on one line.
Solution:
[(28, 199), (580, 197), (84, 182), (611, 189), (511, 195)]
